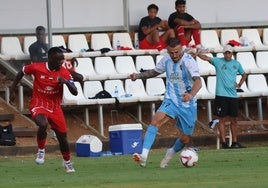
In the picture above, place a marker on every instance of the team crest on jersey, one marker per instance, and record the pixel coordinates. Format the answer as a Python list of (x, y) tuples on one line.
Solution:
[(49, 88)]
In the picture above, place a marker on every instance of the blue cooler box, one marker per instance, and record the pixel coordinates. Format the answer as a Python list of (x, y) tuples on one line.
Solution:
[(88, 146), (125, 138)]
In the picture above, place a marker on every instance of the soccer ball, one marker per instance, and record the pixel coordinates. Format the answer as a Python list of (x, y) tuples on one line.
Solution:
[(188, 157)]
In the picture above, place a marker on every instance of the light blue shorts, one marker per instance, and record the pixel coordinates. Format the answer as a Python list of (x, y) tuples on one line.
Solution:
[(186, 115)]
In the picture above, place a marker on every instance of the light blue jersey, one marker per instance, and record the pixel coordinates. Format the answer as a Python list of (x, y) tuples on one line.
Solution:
[(178, 81), (226, 72), (178, 76)]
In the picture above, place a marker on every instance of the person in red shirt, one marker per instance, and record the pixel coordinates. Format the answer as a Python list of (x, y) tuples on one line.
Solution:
[(45, 105)]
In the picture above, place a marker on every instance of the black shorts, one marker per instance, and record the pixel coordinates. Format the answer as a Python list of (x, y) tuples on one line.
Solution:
[(225, 106)]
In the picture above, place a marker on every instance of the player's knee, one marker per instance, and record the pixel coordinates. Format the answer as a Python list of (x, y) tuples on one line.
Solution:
[(185, 139), (41, 121)]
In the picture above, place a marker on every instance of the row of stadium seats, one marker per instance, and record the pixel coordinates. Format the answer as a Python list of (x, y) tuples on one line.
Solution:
[(106, 67), (78, 43), (250, 39)]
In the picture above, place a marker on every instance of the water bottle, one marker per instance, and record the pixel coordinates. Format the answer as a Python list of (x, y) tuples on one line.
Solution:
[(137, 44), (116, 92), (118, 45)]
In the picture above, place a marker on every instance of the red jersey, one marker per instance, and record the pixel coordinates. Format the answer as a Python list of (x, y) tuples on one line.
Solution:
[(47, 91)]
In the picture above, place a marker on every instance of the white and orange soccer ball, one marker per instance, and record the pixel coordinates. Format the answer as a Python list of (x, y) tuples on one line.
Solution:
[(188, 157)]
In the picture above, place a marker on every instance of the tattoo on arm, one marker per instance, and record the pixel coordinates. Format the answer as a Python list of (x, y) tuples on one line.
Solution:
[(148, 74)]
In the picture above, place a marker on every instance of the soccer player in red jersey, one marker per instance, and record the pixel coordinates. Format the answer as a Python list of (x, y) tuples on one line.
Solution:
[(45, 105)]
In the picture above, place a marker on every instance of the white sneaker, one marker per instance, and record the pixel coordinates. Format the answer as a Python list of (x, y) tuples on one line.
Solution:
[(68, 166), (40, 158), (213, 123), (169, 155), (137, 158)]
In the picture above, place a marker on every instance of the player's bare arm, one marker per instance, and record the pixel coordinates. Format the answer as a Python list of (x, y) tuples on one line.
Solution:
[(204, 57), (146, 74), (69, 84), (194, 24)]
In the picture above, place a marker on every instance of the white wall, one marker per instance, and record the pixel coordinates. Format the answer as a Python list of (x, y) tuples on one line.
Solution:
[(233, 12), (22, 16)]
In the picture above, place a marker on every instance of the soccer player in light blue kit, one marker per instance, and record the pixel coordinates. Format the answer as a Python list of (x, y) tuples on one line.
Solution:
[(182, 84)]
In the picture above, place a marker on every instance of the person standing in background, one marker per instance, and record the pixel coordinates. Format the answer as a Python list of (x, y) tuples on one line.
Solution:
[(38, 50), (226, 101)]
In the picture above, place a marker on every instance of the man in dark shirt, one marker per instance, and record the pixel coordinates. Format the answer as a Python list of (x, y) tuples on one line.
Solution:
[(38, 50), (185, 27), (149, 28)]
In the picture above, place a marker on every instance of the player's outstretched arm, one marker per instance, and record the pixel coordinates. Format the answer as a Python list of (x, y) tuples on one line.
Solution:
[(143, 75)]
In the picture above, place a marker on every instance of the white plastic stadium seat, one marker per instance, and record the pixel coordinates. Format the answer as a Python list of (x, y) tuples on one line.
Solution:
[(11, 49), (78, 44), (253, 37), (137, 89), (262, 60), (125, 41), (265, 36), (102, 40), (105, 66), (248, 62), (211, 84), (257, 82), (232, 34), (58, 40), (85, 67), (79, 99), (146, 62), (203, 93), (125, 65), (155, 87), (210, 40)]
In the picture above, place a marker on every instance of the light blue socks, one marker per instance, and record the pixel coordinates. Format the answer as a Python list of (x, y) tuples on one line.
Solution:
[(178, 145), (149, 137)]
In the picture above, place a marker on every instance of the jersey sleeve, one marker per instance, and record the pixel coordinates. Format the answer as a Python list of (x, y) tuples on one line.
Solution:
[(160, 66), (29, 69), (192, 66), (66, 74)]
